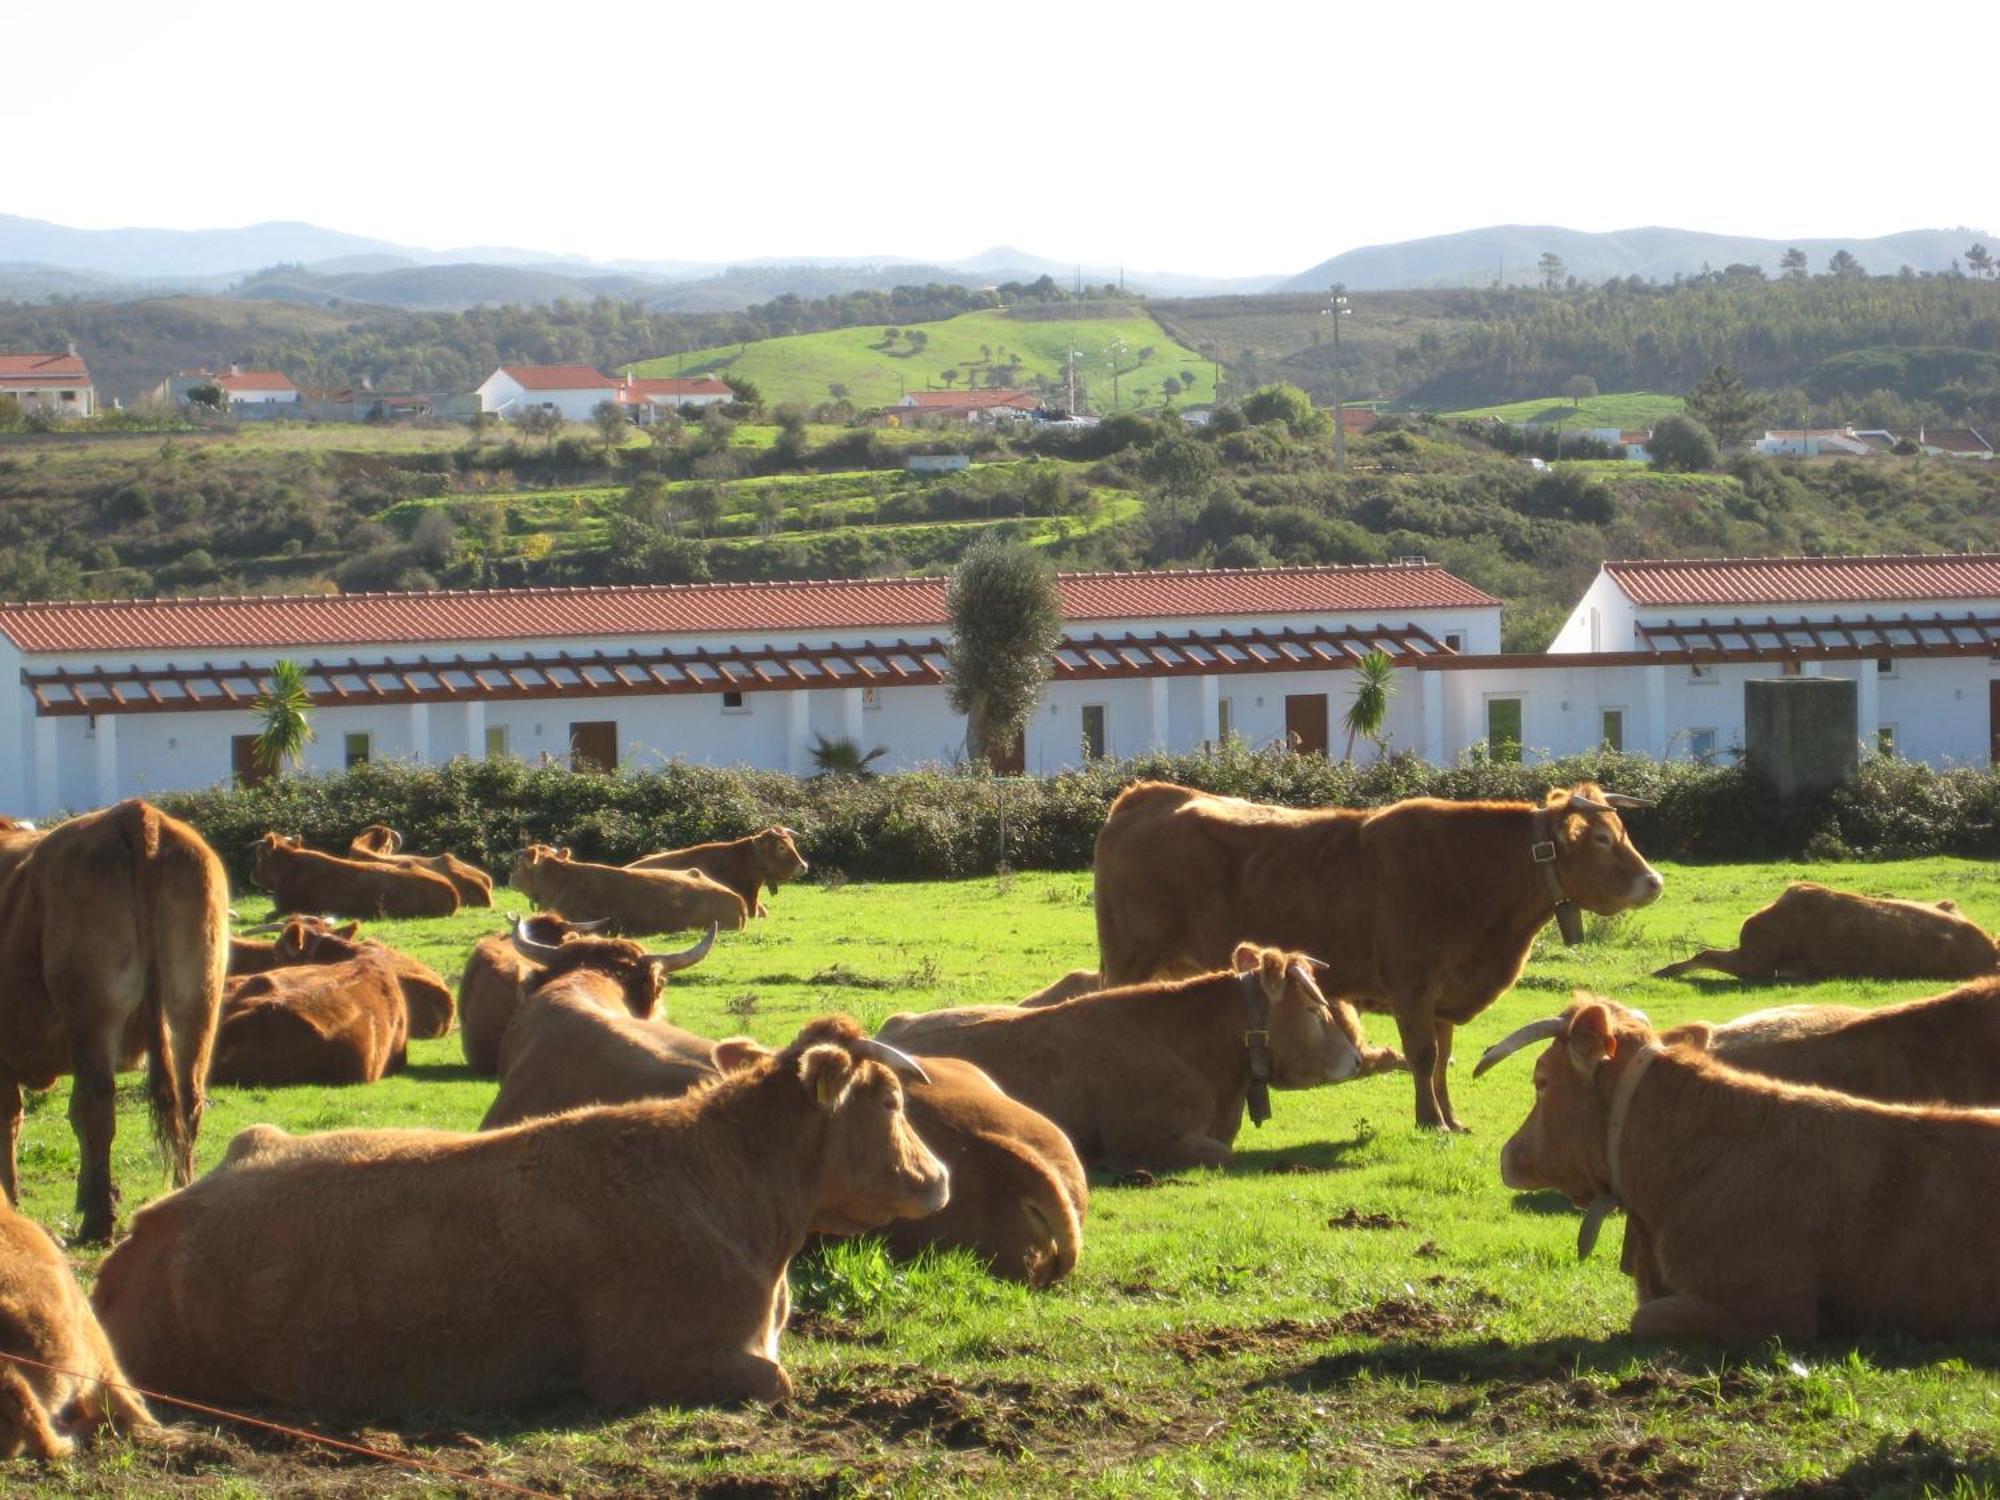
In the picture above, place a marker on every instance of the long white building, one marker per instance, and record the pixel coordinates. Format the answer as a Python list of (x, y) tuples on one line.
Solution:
[(103, 700)]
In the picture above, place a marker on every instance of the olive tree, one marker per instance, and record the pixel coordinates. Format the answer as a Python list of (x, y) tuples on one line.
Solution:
[(1006, 618)]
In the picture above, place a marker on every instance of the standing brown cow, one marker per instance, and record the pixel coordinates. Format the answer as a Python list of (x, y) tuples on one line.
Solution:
[(745, 865), (629, 901), (490, 989), (381, 844), (302, 879), (114, 933), (1425, 909)]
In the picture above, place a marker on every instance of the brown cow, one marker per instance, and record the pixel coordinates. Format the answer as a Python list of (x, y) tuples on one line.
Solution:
[(426, 997), (1769, 1209), (1156, 1075), (629, 901), (253, 955), (380, 844), (745, 865), (1424, 909), (634, 1253), (45, 1317), (489, 991), (304, 880), (1075, 982), (114, 932), (321, 1022), (1811, 932)]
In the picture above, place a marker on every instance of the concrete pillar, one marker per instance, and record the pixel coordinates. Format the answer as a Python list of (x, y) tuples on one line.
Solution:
[(1156, 712), (1211, 708), (1656, 712), (798, 754), (105, 743), (47, 788), (420, 733), (1867, 706), (15, 745), (1430, 717), (475, 728), (850, 716)]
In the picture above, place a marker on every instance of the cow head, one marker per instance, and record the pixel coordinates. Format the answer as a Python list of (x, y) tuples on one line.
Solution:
[(528, 865), (1313, 1040), (1599, 868), (552, 929), (638, 975), (873, 1166), (778, 857), (271, 848), (316, 940), (379, 838), (1561, 1144)]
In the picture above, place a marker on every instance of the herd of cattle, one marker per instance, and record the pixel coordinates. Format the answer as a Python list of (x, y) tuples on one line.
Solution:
[(636, 1192)]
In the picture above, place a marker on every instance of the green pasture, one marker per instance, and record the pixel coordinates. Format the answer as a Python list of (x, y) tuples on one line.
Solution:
[(1350, 1307), (1625, 409), (803, 368)]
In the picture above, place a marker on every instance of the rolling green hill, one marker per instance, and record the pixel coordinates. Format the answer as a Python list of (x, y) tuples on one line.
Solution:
[(1618, 409), (873, 371)]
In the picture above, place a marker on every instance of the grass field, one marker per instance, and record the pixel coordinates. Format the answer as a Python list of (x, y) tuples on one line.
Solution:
[(1349, 1307), (1625, 409), (803, 368)]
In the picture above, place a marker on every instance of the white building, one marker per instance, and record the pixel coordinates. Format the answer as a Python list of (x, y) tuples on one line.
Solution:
[(649, 396), (575, 391), (100, 700), (55, 383), (256, 388)]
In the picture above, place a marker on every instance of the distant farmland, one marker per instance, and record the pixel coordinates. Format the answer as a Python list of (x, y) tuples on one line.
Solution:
[(1623, 409)]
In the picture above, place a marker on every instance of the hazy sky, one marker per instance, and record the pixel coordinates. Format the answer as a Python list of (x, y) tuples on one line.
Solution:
[(1221, 138)]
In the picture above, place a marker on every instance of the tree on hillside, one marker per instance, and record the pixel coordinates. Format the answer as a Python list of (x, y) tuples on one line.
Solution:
[(1368, 709), (1980, 259), (949, 375), (609, 417), (207, 396), (1287, 404), (541, 421), (1179, 469), (1794, 264), (1726, 407), (1844, 267), (1579, 389), (1552, 271), (1682, 445), (918, 339), (1006, 618), (705, 504), (283, 710), (744, 390)]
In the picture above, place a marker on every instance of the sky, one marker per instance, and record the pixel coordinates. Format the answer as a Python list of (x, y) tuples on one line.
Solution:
[(1235, 139)]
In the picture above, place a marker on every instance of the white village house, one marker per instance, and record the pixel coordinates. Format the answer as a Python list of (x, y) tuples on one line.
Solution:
[(112, 699), (55, 383), (573, 390)]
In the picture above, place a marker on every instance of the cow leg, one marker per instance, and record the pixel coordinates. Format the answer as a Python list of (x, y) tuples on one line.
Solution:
[(1441, 1077), (1176, 1153), (1727, 960), (1686, 1316), (93, 1115), (1418, 1030), (10, 1129)]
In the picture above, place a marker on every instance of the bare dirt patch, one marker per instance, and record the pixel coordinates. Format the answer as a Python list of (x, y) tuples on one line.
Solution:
[(903, 1403), (807, 1324), (1353, 1218), (1280, 1337), (1642, 1469), (1397, 1318)]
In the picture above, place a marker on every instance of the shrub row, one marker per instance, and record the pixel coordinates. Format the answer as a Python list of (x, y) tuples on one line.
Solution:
[(945, 823)]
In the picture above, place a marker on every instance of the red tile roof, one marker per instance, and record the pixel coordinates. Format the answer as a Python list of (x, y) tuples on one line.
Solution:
[(679, 385), (42, 369), (559, 378), (254, 380), (1809, 580), (970, 400), (330, 620)]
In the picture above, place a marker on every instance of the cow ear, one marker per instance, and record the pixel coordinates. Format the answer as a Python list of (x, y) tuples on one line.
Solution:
[(563, 853), (1273, 973), (827, 1071), (733, 1054), (1557, 797), (1698, 1036), (347, 929), (1575, 828), (1589, 1038), (1245, 958)]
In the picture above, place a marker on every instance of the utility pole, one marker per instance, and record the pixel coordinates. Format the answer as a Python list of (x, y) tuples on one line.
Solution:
[(1336, 308), (1072, 379)]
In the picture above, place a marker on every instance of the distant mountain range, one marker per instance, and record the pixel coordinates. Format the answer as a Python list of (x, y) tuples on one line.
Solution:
[(1509, 253)]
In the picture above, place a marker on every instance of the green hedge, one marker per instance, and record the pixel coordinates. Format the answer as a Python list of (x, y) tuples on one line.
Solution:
[(944, 823)]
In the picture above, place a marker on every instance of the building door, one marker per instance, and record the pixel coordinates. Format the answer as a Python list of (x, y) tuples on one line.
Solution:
[(243, 760), (593, 745), (1305, 722)]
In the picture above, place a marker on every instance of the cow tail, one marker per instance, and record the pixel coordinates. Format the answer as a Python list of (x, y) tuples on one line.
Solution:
[(173, 1130)]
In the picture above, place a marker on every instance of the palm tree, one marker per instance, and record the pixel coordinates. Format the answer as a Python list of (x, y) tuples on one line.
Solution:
[(842, 757), (284, 713), (1374, 686)]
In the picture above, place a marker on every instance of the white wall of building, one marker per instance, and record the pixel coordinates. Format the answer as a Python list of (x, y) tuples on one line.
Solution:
[(501, 393), (263, 398)]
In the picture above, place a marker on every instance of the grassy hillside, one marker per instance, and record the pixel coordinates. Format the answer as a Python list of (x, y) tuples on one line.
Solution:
[(1350, 1306), (1622, 409), (875, 372)]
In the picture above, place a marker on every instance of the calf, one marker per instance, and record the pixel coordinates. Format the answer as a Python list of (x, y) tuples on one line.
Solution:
[(745, 865), (45, 1317), (302, 879), (332, 1023), (1811, 932), (628, 901), (1158, 1075), (1766, 1208), (380, 844), (634, 1253), (489, 991), (426, 997)]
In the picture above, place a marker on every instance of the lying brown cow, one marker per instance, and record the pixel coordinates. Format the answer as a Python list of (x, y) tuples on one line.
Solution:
[(1157, 1075), (1767, 1208), (380, 844), (637, 1252), (334, 1023), (629, 901), (1811, 932), (489, 991), (1075, 982), (1425, 909), (426, 997), (45, 1317), (745, 865), (255, 955), (304, 880)]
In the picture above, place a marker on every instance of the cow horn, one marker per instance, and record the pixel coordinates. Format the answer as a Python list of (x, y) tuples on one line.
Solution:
[(598, 926), (688, 957), (894, 1057), (1578, 799), (1527, 1036), (1625, 800), (527, 947)]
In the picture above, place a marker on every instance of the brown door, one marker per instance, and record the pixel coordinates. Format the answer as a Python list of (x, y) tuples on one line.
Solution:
[(1305, 722), (1011, 759), (1993, 722), (593, 745), (243, 759)]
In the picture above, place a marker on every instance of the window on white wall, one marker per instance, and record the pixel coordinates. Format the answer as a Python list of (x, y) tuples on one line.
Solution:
[(1701, 745), (1454, 640), (1225, 718), (1503, 728), (354, 750), (733, 702), (496, 741), (1885, 666), (1096, 731), (1885, 740), (1612, 729), (871, 697)]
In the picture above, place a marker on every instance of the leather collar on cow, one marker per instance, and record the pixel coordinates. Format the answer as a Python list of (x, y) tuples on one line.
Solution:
[(1621, 1106), (1257, 1042), (1543, 852)]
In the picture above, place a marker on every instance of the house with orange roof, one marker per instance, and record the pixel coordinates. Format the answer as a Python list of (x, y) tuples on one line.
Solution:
[(649, 396), (245, 393), (58, 384), (572, 391), (997, 405)]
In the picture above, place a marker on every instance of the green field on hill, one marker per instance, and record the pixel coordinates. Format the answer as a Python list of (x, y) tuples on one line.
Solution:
[(804, 368), (1348, 1307), (1625, 409)]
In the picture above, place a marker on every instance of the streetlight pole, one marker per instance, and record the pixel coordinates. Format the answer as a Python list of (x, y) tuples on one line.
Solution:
[(1336, 309)]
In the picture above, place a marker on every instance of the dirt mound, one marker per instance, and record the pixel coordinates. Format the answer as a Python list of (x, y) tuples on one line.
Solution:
[(1396, 1318), (1193, 1344), (1353, 1218), (1642, 1469)]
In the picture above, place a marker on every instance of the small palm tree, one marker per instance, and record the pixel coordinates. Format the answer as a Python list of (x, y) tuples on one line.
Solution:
[(842, 757), (1374, 686), (284, 713)]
